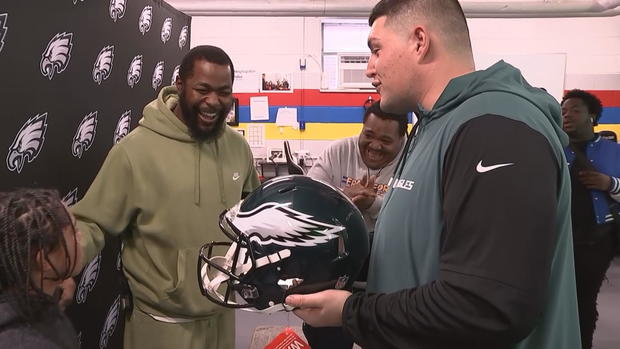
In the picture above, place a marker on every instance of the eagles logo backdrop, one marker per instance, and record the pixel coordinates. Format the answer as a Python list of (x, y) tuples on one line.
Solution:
[(75, 76)]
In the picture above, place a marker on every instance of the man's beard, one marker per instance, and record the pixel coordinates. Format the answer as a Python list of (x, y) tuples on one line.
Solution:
[(190, 115)]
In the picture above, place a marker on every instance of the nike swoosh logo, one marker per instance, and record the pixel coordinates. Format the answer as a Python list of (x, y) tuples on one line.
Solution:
[(235, 177), (482, 169)]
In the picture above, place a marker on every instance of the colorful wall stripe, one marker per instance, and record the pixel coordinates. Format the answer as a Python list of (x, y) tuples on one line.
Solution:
[(334, 115)]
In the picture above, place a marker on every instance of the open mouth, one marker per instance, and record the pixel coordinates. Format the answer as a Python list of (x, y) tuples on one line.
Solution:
[(207, 116), (374, 156)]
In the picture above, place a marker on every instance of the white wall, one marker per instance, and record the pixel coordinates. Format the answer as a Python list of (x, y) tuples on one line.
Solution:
[(276, 44), (266, 44), (591, 45)]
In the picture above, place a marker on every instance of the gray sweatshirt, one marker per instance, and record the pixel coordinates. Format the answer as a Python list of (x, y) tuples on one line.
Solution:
[(341, 165)]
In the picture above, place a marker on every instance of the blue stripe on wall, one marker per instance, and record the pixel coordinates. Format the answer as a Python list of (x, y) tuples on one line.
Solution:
[(611, 115), (312, 114)]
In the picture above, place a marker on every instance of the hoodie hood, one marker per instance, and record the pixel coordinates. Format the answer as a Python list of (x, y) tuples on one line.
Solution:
[(500, 77), (160, 117)]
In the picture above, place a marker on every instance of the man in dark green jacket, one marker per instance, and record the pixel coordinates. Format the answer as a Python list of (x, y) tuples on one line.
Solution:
[(473, 245)]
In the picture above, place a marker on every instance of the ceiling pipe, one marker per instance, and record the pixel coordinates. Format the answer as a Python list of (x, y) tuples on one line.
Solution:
[(361, 8)]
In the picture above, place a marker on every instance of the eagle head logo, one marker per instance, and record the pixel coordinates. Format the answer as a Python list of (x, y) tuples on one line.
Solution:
[(71, 198), (122, 127), (183, 37), (110, 323), (146, 17), (57, 54), (135, 71), (88, 280), (3, 28), (85, 135), (175, 74), (103, 65), (158, 74), (277, 223), (166, 30), (27, 143), (117, 9)]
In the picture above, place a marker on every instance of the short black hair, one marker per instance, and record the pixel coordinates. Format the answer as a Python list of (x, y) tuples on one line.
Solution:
[(447, 15), (400, 118), (212, 54), (592, 102)]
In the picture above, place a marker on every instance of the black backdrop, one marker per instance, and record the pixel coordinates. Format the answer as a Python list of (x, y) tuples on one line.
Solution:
[(74, 77)]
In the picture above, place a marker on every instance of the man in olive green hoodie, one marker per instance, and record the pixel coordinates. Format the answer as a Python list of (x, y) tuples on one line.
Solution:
[(162, 189)]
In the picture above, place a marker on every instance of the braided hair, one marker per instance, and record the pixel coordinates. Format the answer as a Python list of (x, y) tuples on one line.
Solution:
[(31, 221)]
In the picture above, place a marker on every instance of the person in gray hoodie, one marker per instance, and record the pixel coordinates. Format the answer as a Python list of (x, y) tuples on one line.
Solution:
[(473, 244)]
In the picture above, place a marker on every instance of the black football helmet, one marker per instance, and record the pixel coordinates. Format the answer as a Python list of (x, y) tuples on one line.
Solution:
[(292, 235)]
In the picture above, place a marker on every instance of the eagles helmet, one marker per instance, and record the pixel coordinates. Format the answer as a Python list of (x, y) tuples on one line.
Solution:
[(292, 235)]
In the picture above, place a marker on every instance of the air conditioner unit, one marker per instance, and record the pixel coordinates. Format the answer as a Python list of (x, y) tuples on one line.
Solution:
[(352, 71)]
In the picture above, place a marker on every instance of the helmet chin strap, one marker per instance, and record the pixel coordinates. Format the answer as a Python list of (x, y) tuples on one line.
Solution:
[(211, 284)]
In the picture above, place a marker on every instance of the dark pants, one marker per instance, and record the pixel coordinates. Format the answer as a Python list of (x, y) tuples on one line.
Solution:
[(327, 337), (592, 258)]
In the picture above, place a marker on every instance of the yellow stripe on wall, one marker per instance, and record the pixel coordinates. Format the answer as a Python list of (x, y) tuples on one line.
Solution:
[(313, 131), (331, 131), (608, 127)]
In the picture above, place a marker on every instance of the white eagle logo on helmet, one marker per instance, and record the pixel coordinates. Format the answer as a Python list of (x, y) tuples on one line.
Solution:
[(276, 223), (117, 9), (166, 30), (111, 321), (88, 280), (57, 54), (71, 198), (85, 135), (27, 143), (175, 74), (103, 65), (3, 28), (183, 37), (158, 74), (146, 17), (122, 127), (135, 71)]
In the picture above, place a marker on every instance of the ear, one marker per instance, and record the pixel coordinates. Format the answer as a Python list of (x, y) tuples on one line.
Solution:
[(420, 41), (591, 118), (179, 84), (39, 261)]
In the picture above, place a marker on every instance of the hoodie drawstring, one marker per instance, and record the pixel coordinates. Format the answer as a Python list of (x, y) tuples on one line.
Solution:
[(220, 175), (197, 174)]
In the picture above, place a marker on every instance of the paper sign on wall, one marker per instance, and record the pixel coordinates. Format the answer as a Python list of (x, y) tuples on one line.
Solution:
[(287, 117), (259, 108)]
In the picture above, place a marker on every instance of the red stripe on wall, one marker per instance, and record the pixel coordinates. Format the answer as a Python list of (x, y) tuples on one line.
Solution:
[(310, 98), (609, 98), (313, 97)]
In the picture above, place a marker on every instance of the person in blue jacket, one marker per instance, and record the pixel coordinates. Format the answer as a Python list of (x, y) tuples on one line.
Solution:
[(594, 164)]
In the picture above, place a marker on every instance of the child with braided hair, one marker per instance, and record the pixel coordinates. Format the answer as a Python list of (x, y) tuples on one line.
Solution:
[(38, 254)]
